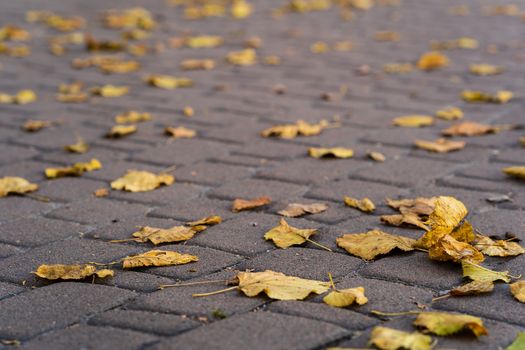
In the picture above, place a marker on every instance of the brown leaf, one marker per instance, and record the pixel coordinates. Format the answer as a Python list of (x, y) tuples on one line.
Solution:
[(408, 218), (293, 210), (450, 249), (243, 204), (180, 132), (157, 258), (469, 129), (373, 243), (432, 60), (365, 204), (440, 145), (473, 288), (15, 185)]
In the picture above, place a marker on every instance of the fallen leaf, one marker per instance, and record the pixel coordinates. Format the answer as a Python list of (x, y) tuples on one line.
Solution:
[(293, 210), (15, 185), (441, 145), (193, 64), (136, 17), (335, 152), (373, 243), (188, 111), (346, 297), (500, 97), (110, 90), (23, 97), (246, 57), (71, 93), (290, 131), (36, 125), (277, 285), (141, 181), (391, 339), (377, 156), (204, 41), (160, 235), (432, 60), (207, 221), (157, 258), (413, 121), (469, 129), (397, 68), (76, 169), (119, 131), (450, 113), (459, 43), (285, 236), (482, 274), (473, 288), (445, 323), (241, 9), (518, 343), (464, 232), (71, 272), (131, 117), (515, 171), (387, 35), (365, 204), (485, 69), (180, 132), (78, 147), (243, 204), (450, 249), (502, 248), (101, 192), (404, 219), (518, 290), (413, 212), (168, 82)]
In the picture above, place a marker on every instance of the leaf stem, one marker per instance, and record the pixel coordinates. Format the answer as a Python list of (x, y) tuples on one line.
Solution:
[(37, 197), (216, 292), (331, 281), (319, 245)]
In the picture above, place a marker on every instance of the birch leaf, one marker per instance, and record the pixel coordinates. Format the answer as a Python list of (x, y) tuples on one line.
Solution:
[(157, 258), (413, 121), (464, 233), (377, 156), (159, 235), (335, 152), (110, 90), (168, 82), (23, 97), (391, 339), (346, 297), (365, 204), (450, 113), (248, 204), (432, 60), (469, 129), (71, 272), (285, 236), (192, 64), (445, 323), (373, 243), (78, 147), (76, 169), (518, 290), (207, 221), (413, 212), (119, 131), (180, 132), (15, 185), (141, 181), (278, 286), (36, 125), (450, 249), (404, 219), (485, 69), (293, 210), (290, 131), (473, 288), (515, 171), (441, 145), (500, 97), (518, 343), (204, 41), (503, 248), (131, 117), (246, 57), (482, 274)]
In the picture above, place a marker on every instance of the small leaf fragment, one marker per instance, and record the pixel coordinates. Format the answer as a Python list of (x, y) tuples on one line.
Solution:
[(445, 323), (432, 60), (450, 113), (469, 129), (293, 210), (36, 125), (110, 90), (246, 57), (482, 274), (71, 272), (473, 288), (180, 132), (119, 131), (101, 192), (131, 117), (15, 185), (440, 145), (168, 82), (515, 171), (474, 96), (248, 204), (413, 121), (204, 41), (346, 297), (377, 156), (364, 204), (518, 290), (78, 147), (76, 169), (140, 181), (335, 152), (373, 243), (285, 236), (391, 339), (485, 69), (157, 258)]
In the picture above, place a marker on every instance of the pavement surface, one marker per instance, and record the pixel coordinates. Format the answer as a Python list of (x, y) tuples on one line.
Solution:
[(229, 159)]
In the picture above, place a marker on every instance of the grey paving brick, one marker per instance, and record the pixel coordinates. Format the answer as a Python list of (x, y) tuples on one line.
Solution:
[(211, 173), (177, 192), (194, 209), (253, 188), (17, 207), (11, 153), (8, 289), (69, 189)]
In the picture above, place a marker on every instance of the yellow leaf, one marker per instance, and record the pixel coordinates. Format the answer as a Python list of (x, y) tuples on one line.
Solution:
[(241, 9), (293, 210), (518, 290), (335, 152), (188, 111), (492, 247), (191, 64), (25, 96), (168, 82), (141, 181), (78, 147), (180, 132), (413, 212), (482, 274), (207, 221), (159, 235), (76, 169), (101, 192), (243, 204), (373, 243), (500, 97), (450, 113), (413, 121), (391, 339), (473, 288), (71, 272), (464, 233), (157, 258), (365, 204), (346, 297), (518, 343), (469, 129), (432, 60), (290, 131), (441, 145), (285, 236), (15, 185), (136, 17), (278, 286), (377, 156), (397, 68), (515, 171), (387, 36), (319, 47), (36, 125), (450, 249), (110, 90), (118, 131), (131, 117), (485, 69), (119, 66), (204, 41), (14, 33), (445, 323), (246, 57)]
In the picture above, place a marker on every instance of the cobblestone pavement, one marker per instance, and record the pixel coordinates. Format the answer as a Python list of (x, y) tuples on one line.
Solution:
[(229, 159)]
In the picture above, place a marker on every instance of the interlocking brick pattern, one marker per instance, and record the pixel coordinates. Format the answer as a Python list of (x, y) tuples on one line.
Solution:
[(229, 159)]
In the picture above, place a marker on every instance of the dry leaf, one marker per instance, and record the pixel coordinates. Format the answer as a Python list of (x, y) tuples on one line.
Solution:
[(159, 235), (78, 147), (204, 41), (278, 286), (432, 60), (473, 288), (157, 258), (71, 272), (293, 210), (110, 90), (445, 323), (15, 185), (373, 243), (492, 247), (450, 249), (119, 131), (518, 343), (168, 82), (241, 9), (188, 111), (180, 132), (515, 171), (335, 152), (441, 145), (413, 121), (413, 212), (377, 156), (131, 117), (246, 57), (518, 290), (408, 218), (346, 297), (22, 97), (36, 125), (482, 274), (464, 232), (290, 131), (243, 204), (459, 43), (397, 68), (71, 93), (500, 97), (365, 204), (140, 181), (391, 339), (193, 64), (485, 69), (76, 169), (450, 113), (101, 192), (285, 236), (387, 35), (469, 129)]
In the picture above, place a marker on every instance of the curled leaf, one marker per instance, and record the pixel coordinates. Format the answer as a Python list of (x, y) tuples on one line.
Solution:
[(364, 204), (445, 323), (131, 117), (15, 185), (413, 121), (71, 272), (119, 131), (76, 169), (207, 221), (244, 204), (140, 181), (440, 145), (518, 290), (168, 82), (515, 171), (373, 243), (293, 210), (391, 339), (482, 274), (473, 288), (285, 236), (157, 258), (335, 152), (346, 297), (432, 60), (450, 113), (180, 132)]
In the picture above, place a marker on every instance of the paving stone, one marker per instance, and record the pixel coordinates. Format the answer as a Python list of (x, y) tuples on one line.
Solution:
[(144, 321), (55, 306), (28, 169), (177, 192), (258, 330), (253, 188), (498, 222), (194, 209), (89, 337), (14, 207), (69, 189), (8, 250), (8, 289), (210, 173), (113, 170), (124, 229), (11, 153)]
